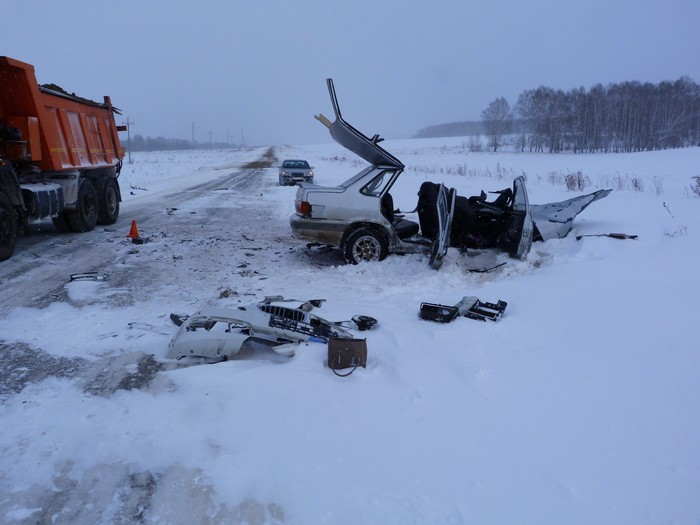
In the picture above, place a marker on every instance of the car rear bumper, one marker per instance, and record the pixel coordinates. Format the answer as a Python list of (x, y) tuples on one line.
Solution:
[(321, 230)]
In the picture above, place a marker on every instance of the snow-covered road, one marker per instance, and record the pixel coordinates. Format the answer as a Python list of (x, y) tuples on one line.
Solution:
[(45, 259)]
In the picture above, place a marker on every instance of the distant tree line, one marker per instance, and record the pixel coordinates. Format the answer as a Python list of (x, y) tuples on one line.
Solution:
[(141, 143), (624, 117), (629, 116), (452, 129)]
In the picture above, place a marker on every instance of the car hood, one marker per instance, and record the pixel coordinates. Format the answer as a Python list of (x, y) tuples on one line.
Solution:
[(353, 140)]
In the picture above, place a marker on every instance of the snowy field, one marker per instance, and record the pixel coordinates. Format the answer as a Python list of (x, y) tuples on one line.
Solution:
[(580, 406)]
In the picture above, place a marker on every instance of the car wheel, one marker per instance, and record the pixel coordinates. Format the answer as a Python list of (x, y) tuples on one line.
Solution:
[(365, 244)]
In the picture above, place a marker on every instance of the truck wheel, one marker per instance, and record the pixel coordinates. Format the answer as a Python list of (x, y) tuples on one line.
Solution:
[(8, 227), (365, 244), (84, 218), (109, 202)]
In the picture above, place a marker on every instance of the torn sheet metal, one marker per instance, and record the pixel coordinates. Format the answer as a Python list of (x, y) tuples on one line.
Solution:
[(555, 219)]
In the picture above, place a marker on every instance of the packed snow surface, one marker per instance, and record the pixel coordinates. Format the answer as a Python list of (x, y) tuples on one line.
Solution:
[(579, 406)]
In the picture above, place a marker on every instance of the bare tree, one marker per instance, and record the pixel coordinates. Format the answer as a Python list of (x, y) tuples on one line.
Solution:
[(498, 121), (623, 117)]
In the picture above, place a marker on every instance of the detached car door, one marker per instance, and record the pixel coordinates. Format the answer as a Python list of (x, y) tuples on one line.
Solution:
[(519, 226), (445, 209)]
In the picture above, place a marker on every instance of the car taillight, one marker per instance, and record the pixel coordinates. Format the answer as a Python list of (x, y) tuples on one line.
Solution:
[(303, 208)]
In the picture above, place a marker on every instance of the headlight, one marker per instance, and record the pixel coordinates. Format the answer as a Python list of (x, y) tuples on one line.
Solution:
[(311, 174), (283, 172)]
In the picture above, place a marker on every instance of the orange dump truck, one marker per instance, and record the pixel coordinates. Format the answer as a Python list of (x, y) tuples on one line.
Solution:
[(60, 157)]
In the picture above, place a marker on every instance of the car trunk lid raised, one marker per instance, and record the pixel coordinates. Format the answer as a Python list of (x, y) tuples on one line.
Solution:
[(353, 140)]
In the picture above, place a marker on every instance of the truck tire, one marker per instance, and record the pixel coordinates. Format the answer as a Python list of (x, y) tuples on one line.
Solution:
[(364, 244), (108, 202), (84, 217), (8, 227)]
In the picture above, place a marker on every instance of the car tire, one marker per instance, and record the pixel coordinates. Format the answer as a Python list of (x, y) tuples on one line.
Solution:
[(365, 244)]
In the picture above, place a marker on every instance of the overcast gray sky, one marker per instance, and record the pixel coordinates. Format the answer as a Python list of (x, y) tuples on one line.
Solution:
[(257, 68)]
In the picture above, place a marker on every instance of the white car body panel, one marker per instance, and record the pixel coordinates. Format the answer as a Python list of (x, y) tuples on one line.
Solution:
[(219, 333)]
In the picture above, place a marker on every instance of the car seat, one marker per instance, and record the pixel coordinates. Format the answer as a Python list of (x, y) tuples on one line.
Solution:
[(427, 209), (404, 228)]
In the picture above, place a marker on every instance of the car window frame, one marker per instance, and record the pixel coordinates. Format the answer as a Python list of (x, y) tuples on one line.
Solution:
[(388, 176)]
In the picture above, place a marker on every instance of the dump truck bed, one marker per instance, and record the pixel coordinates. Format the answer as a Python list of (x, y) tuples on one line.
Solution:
[(50, 128)]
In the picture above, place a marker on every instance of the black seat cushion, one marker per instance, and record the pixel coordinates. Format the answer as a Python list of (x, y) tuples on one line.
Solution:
[(405, 229)]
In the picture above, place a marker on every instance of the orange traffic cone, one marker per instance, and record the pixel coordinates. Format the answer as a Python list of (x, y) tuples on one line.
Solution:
[(134, 233)]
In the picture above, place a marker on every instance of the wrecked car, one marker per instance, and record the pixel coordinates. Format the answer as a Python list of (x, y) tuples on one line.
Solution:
[(220, 333), (358, 216)]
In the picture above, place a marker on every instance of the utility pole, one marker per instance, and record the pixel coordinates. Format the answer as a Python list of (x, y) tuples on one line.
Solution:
[(210, 134), (128, 137), (193, 135)]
